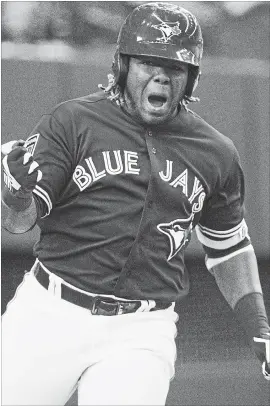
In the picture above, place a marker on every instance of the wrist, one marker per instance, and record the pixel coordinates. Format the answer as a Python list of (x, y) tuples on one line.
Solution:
[(251, 313), (19, 222), (17, 202)]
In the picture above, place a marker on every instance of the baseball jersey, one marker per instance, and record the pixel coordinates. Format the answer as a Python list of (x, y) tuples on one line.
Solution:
[(118, 200)]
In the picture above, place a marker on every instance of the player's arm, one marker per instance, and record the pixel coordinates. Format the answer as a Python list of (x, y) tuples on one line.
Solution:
[(36, 171), (21, 174), (19, 222), (233, 263), (239, 282), (231, 259)]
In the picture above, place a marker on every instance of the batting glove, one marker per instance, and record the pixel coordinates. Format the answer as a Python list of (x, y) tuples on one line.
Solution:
[(21, 172), (261, 346)]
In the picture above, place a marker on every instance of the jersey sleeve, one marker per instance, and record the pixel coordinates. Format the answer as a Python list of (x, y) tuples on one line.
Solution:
[(49, 146), (222, 229)]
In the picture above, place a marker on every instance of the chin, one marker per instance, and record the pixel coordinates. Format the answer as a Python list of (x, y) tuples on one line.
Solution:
[(154, 116), (154, 119)]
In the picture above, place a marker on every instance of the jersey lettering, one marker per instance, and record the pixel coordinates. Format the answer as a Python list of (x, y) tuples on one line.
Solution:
[(131, 160), (108, 163), (167, 177), (196, 207), (197, 188), (181, 180), (116, 162), (81, 177), (96, 176)]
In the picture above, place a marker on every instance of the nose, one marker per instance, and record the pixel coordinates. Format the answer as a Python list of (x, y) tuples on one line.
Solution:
[(160, 76)]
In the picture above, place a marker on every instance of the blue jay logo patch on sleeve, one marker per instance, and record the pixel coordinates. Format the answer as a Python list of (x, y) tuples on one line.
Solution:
[(179, 233)]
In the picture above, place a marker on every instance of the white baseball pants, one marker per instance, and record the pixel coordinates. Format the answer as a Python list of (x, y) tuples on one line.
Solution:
[(50, 347)]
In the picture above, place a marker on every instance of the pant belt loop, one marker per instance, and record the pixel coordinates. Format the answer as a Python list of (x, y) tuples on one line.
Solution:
[(55, 285), (146, 305), (34, 268), (152, 304)]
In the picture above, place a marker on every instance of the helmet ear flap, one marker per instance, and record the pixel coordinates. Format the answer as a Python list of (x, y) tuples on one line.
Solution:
[(196, 82), (193, 79), (120, 69)]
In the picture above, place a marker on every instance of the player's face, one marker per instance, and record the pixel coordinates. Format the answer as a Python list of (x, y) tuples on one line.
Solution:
[(154, 88)]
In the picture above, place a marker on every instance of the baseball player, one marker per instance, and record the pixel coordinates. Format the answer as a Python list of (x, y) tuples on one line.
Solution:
[(117, 181)]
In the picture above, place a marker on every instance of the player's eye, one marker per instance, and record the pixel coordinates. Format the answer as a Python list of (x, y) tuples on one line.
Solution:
[(150, 63), (178, 68)]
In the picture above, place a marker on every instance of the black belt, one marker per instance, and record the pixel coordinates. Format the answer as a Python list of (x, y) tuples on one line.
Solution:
[(98, 305)]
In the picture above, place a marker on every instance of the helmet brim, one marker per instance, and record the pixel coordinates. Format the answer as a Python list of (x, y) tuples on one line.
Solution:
[(164, 52)]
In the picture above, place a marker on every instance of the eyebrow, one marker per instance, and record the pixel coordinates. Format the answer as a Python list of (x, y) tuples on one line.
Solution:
[(162, 62)]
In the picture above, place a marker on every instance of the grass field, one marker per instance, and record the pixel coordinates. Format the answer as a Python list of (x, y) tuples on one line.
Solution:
[(215, 366)]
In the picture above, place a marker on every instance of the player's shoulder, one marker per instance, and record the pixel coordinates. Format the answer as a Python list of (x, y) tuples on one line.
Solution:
[(212, 149), (75, 106), (211, 136)]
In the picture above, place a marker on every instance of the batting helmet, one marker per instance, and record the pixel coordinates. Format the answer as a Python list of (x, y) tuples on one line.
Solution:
[(161, 30)]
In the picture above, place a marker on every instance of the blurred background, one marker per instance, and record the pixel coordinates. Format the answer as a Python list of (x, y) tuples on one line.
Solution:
[(56, 50)]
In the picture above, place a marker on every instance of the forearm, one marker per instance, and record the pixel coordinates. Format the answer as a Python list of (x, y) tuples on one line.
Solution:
[(239, 282), (238, 276), (18, 215)]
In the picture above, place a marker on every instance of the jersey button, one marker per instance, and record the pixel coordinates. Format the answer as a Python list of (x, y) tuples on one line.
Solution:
[(154, 150)]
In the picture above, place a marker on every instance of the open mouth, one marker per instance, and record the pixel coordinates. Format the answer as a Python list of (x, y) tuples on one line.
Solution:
[(157, 101)]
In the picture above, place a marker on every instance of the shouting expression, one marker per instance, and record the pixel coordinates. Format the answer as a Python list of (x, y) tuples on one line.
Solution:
[(154, 88)]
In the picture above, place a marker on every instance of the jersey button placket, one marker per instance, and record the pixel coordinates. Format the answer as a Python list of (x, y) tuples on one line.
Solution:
[(150, 142), (152, 151)]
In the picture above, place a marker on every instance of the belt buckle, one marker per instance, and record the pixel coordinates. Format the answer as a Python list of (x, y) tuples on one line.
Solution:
[(110, 306)]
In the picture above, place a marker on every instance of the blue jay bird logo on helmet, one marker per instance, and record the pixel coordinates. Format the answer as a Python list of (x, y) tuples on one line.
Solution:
[(168, 30), (179, 233)]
